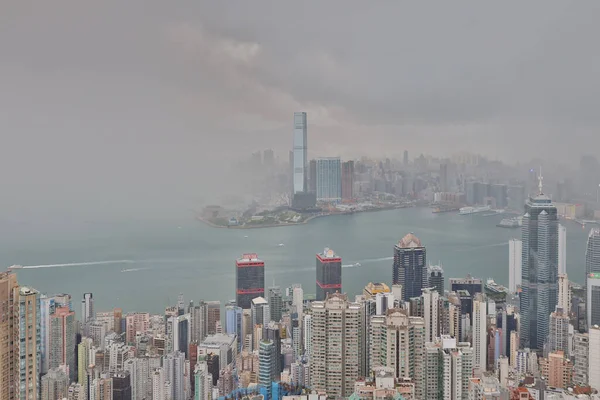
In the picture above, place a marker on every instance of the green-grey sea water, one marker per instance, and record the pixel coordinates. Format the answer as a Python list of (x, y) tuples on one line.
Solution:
[(142, 265)]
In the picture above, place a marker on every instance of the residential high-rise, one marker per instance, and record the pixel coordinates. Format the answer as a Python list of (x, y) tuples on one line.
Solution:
[(55, 384), (117, 317), (300, 153), (435, 276), (539, 286), (409, 269), (62, 340), (275, 300), (135, 323), (27, 346), (593, 359), (329, 179), (515, 257), (121, 386), (480, 333), (347, 180), (8, 334), (173, 365), (203, 382), (48, 305), (592, 253), (397, 341), (336, 336), (593, 299), (431, 303), (562, 249), (329, 274), (557, 370), (233, 323), (101, 389), (580, 356), (158, 384), (307, 334), (272, 333), (198, 321), (86, 353), (558, 338), (448, 367), (250, 279)]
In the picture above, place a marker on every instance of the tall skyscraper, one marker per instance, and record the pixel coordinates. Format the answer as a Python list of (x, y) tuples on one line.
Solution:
[(87, 308), (515, 258), (593, 359), (336, 336), (250, 279), (329, 179), (539, 287), (480, 333), (348, 180), (562, 249), (173, 365), (275, 300), (198, 321), (581, 345), (592, 253), (564, 294), (86, 353), (8, 334), (435, 276), (233, 323), (329, 274), (300, 154), (266, 360), (312, 176), (62, 340), (27, 347), (593, 299), (409, 268)]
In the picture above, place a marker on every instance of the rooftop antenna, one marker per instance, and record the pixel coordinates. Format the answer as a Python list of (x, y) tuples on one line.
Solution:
[(540, 181)]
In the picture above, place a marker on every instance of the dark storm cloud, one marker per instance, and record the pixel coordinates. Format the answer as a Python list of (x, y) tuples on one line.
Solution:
[(135, 101)]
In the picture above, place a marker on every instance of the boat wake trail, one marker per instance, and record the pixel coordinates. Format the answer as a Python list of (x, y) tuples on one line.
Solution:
[(374, 260), (80, 264), (485, 246), (134, 269)]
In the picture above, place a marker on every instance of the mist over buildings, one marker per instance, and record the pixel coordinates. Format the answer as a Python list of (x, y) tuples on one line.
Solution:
[(122, 108)]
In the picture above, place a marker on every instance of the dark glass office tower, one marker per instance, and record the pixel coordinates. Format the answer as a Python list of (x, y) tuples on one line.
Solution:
[(121, 386), (409, 268), (250, 279), (435, 275), (539, 272), (329, 274), (470, 284)]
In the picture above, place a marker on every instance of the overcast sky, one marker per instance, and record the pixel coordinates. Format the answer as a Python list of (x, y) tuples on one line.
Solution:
[(121, 101)]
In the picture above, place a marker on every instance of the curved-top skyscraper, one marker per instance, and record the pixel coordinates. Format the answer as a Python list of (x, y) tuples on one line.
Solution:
[(592, 253), (410, 268), (539, 270)]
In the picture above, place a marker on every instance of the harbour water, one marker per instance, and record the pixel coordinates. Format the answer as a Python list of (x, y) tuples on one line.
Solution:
[(143, 265)]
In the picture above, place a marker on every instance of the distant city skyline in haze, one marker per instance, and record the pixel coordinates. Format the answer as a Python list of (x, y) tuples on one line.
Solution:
[(144, 106)]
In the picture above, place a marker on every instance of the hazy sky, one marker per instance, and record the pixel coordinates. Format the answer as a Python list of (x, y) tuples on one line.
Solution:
[(128, 102)]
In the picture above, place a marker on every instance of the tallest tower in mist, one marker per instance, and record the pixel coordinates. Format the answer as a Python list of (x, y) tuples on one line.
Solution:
[(299, 156), (539, 270)]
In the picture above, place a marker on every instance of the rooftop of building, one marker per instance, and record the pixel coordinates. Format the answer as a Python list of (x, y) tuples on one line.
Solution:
[(410, 241), (259, 301), (327, 253), (218, 339), (377, 287), (248, 258)]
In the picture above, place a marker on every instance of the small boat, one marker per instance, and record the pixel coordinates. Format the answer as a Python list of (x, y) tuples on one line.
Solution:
[(13, 267), (281, 245), (245, 236), (357, 264)]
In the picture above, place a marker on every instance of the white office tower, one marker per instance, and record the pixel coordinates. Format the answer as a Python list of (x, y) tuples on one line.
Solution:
[(97, 332), (118, 353), (158, 384), (307, 334), (580, 356), (336, 338), (203, 382), (562, 249), (300, 156), (397, 341), (514, 347), (593, 299), (87, 310), (430, 314), (594, 357), (55, 384), (174, 367), (515, 260), (559, 332), (383, 302), (298, 300), (479, 334), (397, 292), (564, 293)]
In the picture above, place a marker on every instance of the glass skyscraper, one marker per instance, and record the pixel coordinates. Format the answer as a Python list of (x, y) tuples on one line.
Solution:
[(592, 254), (539, 270), (329, 179), (299, 157), (409, 268)]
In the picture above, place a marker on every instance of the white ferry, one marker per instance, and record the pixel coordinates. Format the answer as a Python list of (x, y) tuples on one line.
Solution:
[(473, 210)]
